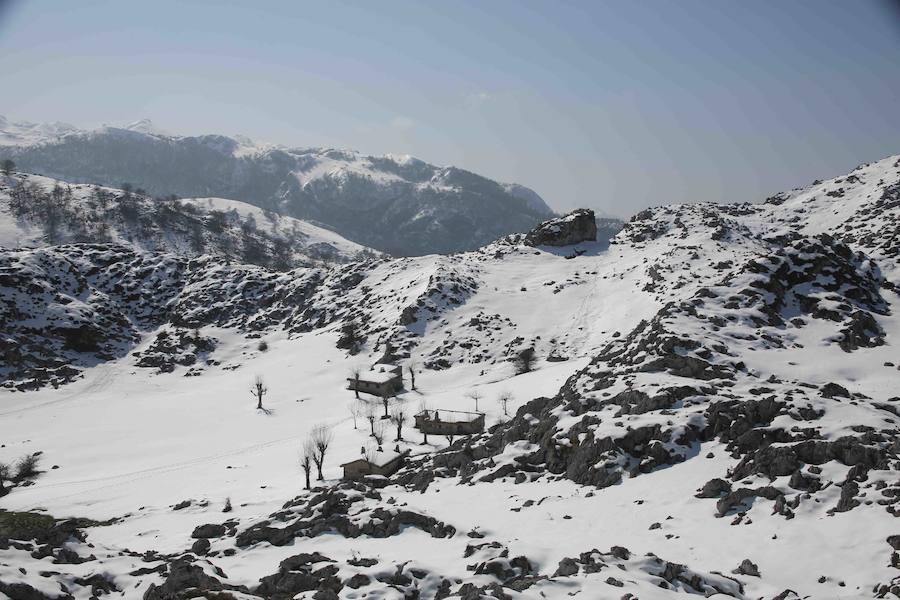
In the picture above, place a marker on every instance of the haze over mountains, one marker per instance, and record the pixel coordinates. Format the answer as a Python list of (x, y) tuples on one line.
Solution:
[(396, 204), (712, 412)]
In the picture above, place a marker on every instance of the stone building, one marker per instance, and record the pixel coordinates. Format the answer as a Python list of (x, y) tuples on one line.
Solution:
[(380, 380), (383, 463), (449, 422)]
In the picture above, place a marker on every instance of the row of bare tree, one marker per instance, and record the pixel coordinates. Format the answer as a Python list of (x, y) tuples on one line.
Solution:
[(503, 400), (313, 452), (395, 412)]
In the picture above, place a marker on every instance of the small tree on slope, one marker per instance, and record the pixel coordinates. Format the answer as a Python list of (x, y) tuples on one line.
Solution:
[(525, 361), (259, 390), (306, 459), (321, 437), (378, 434), (5, 476), (413, 366), (371, 416), (386, 401), (27, 466), (398, 418), (355, 372), (355, 411), (475, 395)]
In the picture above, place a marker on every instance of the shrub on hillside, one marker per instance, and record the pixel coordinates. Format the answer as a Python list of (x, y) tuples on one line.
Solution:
[(27, 466)]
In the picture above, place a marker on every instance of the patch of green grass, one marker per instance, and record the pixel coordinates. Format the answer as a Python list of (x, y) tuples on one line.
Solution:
[(24, 525), (41, 526)]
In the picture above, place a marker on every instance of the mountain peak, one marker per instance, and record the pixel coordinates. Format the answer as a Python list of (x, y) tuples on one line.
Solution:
[(25, 133), (145, 126)]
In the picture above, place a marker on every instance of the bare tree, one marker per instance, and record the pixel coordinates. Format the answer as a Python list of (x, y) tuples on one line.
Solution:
[(475, 395), (259, 390), (370, 452), (386, 402), (525, 361), (423, 408), (54, 207), (355, 411), (449, 437), (504, 400), (27, 466), (306, 459), (355, 372), (412, 367), (371, 416), (5, 475), (378, 433), (398, 418), (321, 436)]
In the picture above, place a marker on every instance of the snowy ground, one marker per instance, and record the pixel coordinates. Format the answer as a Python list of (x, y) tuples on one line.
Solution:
[(126, 443)]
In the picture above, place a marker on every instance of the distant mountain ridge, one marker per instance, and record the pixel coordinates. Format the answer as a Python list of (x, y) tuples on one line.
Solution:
[(394, 203)]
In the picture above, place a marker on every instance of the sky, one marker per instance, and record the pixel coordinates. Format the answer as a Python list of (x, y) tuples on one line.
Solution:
[(611, 105)]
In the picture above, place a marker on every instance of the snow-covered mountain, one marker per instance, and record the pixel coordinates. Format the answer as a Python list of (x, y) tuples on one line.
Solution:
[(396, 204), (39, 211), (713, 412), (24, 133)]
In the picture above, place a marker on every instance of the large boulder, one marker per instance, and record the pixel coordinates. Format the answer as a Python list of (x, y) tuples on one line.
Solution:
[(578, 226), (184, 580), (209, 530)]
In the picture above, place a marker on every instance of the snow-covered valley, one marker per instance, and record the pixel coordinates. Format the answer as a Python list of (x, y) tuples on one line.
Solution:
[(712, 410)]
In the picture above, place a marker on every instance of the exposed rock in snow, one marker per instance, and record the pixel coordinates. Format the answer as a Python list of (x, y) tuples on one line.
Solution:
[(576, 227)]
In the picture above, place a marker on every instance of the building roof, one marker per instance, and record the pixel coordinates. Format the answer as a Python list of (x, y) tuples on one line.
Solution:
[(378, 374), (381, 459), (452, 416)]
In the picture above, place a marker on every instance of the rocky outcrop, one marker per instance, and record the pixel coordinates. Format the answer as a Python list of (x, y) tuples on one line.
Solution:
[(209, 530), (334, 510), (576, 227), (300, 573), (649, 397), (186, 579)]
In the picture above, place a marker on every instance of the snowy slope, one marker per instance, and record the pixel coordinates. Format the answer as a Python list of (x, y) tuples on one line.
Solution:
[(724, 423), (38, 211), (395, 203)]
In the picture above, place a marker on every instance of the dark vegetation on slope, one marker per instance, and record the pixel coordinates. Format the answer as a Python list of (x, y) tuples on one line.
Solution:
[(162, 224)]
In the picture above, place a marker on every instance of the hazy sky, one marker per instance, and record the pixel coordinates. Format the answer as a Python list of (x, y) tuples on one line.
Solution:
[(613, 105)]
